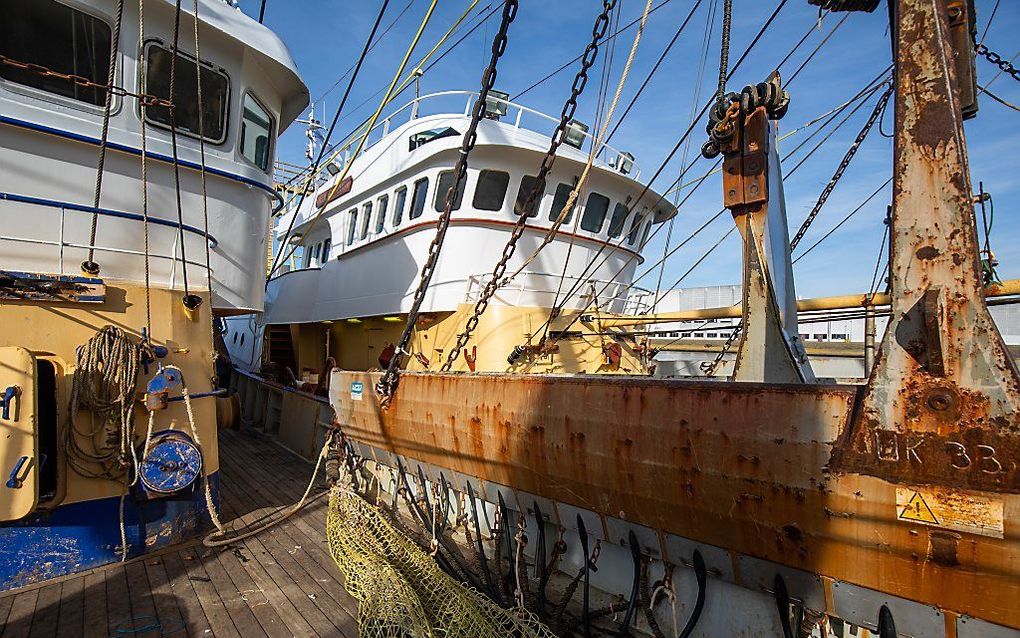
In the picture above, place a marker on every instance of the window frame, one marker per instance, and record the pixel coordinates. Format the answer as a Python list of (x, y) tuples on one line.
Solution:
[(382, 204), (81, 105), (366, 222), (411, 214), (554, 211), (440, 195), (399, 205), (352, 226), (270, 153), (143, 70), (618, 209), (478, 184), (604, 214), (518, 202)]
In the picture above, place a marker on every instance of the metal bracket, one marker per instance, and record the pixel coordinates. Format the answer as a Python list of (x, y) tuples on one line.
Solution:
[(15, 481), (7, 401)]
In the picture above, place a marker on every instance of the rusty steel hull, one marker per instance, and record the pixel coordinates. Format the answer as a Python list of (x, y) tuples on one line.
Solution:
[(744, 467)]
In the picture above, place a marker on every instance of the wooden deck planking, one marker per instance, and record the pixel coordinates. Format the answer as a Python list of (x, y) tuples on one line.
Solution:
[(280, 583)]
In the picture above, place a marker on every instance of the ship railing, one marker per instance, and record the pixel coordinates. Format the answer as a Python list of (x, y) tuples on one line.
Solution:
[(542, 288), (61, 243), (412, 110)]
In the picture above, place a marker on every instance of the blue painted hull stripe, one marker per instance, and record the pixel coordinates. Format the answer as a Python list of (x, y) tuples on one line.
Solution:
[(52, 203), (278, 200)]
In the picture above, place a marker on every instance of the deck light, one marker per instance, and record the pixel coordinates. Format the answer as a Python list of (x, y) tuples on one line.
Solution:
[(392, 319), (623, 162), (353, 320), (333, 169), (575, 133), (496, 104)]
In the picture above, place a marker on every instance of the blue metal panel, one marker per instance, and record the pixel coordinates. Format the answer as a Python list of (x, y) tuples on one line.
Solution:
[(81, 536)]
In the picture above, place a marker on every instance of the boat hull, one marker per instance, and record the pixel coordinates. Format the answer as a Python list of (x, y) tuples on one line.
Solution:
[(740, 469)]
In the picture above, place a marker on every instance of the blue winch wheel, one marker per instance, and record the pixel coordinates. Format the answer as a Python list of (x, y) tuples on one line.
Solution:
[(173, 463)]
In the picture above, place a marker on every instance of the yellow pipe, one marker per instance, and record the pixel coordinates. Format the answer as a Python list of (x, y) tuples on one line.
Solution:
[(842, 302)]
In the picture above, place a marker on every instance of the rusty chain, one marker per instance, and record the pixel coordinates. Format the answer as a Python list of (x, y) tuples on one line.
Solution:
[(566, 115), (710, 368), (1004, 65), (388, 384), (38, 69), (844, 163)]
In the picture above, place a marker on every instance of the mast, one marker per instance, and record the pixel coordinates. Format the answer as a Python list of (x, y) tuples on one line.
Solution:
[(942, 405)]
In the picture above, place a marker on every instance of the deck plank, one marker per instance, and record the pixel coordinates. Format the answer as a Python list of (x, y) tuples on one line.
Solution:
[(286, 585), (71, 622), (95, 623)]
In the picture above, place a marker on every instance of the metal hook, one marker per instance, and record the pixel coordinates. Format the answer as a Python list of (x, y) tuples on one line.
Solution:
[(425, 497), (446, 503), (635, 553), (886, 624), (585, 617), (701, 573), (540, 566), (783, 604), (478, 542)]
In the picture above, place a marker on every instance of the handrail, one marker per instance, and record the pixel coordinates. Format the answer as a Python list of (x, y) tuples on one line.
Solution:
[(52, 203), (623, 295), (337, 149)]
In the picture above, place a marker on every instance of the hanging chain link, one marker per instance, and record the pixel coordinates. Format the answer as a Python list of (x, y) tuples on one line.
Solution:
[(1004, 65), (388, 384), (875, 114), (710, 368), (83, 82), (566, 115)]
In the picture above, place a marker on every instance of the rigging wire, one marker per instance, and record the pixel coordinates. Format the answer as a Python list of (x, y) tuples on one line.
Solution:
[(370, 48), (845, 219), (817, 48), (348, 139), (322, 150), (999, 99), (190, 301), (145, 183), (988, 25), (678, 145)]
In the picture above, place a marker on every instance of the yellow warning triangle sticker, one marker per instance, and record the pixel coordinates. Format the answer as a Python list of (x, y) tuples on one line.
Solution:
[(917, 510)]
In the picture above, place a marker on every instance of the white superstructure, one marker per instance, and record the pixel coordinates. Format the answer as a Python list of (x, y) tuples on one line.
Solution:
[(362, 258), (50, 131)]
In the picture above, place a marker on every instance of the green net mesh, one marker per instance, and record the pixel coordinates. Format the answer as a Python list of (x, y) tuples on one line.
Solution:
[(401, 591)]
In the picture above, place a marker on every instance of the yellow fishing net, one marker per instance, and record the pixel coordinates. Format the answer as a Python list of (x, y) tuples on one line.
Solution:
[(400, 589)]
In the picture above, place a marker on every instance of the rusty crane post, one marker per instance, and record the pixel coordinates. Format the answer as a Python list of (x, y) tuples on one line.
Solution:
[(942, 406)]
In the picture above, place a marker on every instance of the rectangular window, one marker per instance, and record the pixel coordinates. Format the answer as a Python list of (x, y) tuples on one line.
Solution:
[(215, 94), (559, 201), (528, 184), (380, 215), (490, 191), (325, 250), (648, 230), (398, 205), (256, 131), (366, 219), (445, 184), (618, 220), (352, 227), (318, 250), (62, 39), (635, 226), (595, 213), (419, 197)]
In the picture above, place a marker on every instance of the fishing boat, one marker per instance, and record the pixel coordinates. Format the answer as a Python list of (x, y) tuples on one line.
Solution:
[(520, 441), (137, 142)]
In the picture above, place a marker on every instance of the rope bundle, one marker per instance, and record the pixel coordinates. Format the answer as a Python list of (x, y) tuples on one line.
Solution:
[(104, 383)]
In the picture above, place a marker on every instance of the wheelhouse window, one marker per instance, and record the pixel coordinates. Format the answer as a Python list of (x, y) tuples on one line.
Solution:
[(325, 250), (352, 226), (490, 191), (635, 226), (419, 197), (559, 201), (380, 214), (60, 38), (421, 139), (399, 201), (445, 184), (256, 131), (648, 229), (366, 219), (215, 94), (595, 213), (528, 184), (618, 220)]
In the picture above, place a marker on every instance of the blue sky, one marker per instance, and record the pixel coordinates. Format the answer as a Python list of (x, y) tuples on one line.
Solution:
[(325, 37)]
